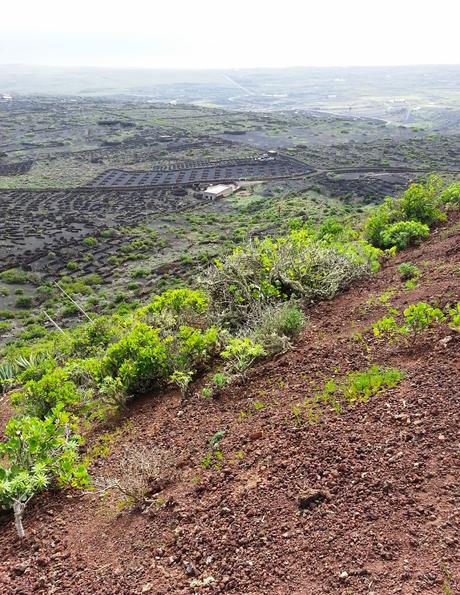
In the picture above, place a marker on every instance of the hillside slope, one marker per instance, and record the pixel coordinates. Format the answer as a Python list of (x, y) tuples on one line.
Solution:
[(385, 474)]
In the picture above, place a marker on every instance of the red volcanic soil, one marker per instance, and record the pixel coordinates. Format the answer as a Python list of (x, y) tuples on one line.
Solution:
[(367, 501)]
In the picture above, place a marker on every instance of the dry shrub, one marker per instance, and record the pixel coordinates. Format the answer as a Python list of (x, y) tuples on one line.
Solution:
[(140, 474)]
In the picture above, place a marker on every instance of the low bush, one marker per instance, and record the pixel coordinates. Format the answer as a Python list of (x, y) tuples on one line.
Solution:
[(454, 315), (24, 301), (39, 397), (90, 241), (420, 316), (386, 328), (451, 195), (418, 204), (36, 454), (15, 276), (417, 317), (140, 360), (241, 353), (296, 265), (403, 234), (408, 271), (276, 326), (355, 387), (140, 474)]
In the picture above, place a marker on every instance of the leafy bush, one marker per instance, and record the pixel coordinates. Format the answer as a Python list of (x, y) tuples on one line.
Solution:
[(403, 234), (454, 314), (451, 195), (295, 265), (35, 455), (24, 301), (386, 327), (277, 325), (408, 271), (140, 359), (180, 302), (139, 273), (90, 241), (182, 380), (144, 359), (39, 397), (15, 276), (420, 316), (419, 203), (91, 338), (242, 353), (72, 265)]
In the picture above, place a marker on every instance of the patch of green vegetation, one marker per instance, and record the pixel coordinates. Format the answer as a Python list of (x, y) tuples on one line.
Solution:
[(355, 387), (17, 276), (406, 220)]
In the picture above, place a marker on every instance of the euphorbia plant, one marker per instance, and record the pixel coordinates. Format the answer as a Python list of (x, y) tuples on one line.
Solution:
[(37, 454)]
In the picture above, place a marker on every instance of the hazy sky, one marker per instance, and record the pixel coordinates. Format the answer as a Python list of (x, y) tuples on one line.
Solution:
[(227, 34)]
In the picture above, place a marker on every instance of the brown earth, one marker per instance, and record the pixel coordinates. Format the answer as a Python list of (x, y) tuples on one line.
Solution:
[(367, 501)]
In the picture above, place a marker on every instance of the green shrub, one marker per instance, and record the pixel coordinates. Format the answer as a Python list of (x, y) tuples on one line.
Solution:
[(386, 328), (295, 265), (24, 301), (182, 380), (15, 276), (404, 234), (454, 314), (277, 325), (92, 279), (420, 316), (381, 218), (242, 353), (140, 273), (91, 338), (140, 360), (219, 380), (39, 397), (38, 454), (358, 386), (451, 195), (408, 271), (355, 387), (89, 241), (72, 265), (191, 348), (420, 202), (177, 301)]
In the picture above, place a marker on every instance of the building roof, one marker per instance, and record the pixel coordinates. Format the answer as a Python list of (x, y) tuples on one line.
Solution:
[(218, 188)]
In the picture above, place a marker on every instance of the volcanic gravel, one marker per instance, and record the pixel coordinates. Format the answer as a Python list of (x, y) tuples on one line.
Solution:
[(362, 502)]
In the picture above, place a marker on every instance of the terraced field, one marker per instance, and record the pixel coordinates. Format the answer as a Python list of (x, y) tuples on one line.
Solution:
[(37, 223), (203, 172)]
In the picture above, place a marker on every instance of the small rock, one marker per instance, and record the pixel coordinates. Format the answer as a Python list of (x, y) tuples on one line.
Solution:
[(21, 567), (444, 342), (311, 497), (343, 575), (190, 569)]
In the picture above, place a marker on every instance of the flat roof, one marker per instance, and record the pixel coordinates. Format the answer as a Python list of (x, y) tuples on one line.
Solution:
[(218, 188)]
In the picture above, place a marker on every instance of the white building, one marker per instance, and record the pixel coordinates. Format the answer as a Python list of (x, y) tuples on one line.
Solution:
[(219, 190)]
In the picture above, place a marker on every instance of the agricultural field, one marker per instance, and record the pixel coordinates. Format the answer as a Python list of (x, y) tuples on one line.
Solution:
[(104, 195)]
